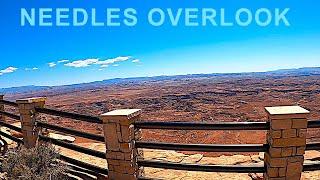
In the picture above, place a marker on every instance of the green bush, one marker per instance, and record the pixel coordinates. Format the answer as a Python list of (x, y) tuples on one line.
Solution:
[(39, 163)]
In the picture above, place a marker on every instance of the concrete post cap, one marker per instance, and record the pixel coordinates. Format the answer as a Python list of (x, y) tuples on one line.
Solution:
[(31, 100), (123, 112), (286, 110)]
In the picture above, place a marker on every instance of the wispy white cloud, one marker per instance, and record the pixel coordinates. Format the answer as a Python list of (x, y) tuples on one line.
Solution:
[(113, 60), (63, 61), (8, 70), (95, 61), (82, 63), (31, 69), (52, 64), (136, 61)]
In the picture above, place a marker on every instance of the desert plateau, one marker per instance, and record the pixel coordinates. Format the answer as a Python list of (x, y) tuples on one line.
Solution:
[(204, 97)]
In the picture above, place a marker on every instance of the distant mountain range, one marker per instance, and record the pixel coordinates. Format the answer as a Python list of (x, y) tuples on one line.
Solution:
[(309, 71)]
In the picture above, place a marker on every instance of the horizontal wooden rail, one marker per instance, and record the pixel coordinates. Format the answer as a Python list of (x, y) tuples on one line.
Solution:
[(80, 117), (203, 126), (311, 167), (71, 131), (204, 147), (203, 168), (84, 165), (313, 146), (15, 128), (314, 124), (9, 103), (77, 148), (10, 115), (19, 141)]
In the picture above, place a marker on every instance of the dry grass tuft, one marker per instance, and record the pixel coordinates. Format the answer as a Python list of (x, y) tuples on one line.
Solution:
[(37, 163)]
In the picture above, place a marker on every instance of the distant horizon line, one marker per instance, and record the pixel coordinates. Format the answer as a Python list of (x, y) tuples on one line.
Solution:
[(221, 73)]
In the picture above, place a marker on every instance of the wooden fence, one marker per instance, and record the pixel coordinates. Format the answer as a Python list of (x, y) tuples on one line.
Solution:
[(284, 151)]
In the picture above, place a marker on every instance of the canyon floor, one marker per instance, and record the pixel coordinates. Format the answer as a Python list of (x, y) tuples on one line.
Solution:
[(198, 99)]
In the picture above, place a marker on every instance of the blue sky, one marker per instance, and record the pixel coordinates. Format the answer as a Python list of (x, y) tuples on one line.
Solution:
[(145, 50)]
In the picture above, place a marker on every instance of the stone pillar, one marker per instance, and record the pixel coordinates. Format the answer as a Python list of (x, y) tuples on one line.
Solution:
[(119, 136), (287, 141), (2, 117), (28, 118)]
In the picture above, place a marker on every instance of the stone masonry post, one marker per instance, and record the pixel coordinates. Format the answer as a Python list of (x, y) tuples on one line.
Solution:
[(2, 117), (28, 119), (119, 135), (287, 142)]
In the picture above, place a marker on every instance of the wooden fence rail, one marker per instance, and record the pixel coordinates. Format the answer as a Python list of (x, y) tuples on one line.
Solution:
[(71, 131), (202, 126), (203, 168), (203, 147)]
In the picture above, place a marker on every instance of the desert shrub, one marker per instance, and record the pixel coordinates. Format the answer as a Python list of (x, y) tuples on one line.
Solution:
[(38, 163)]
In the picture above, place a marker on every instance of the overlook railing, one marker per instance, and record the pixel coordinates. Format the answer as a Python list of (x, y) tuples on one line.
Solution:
[(202, 147), (284, 150)]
